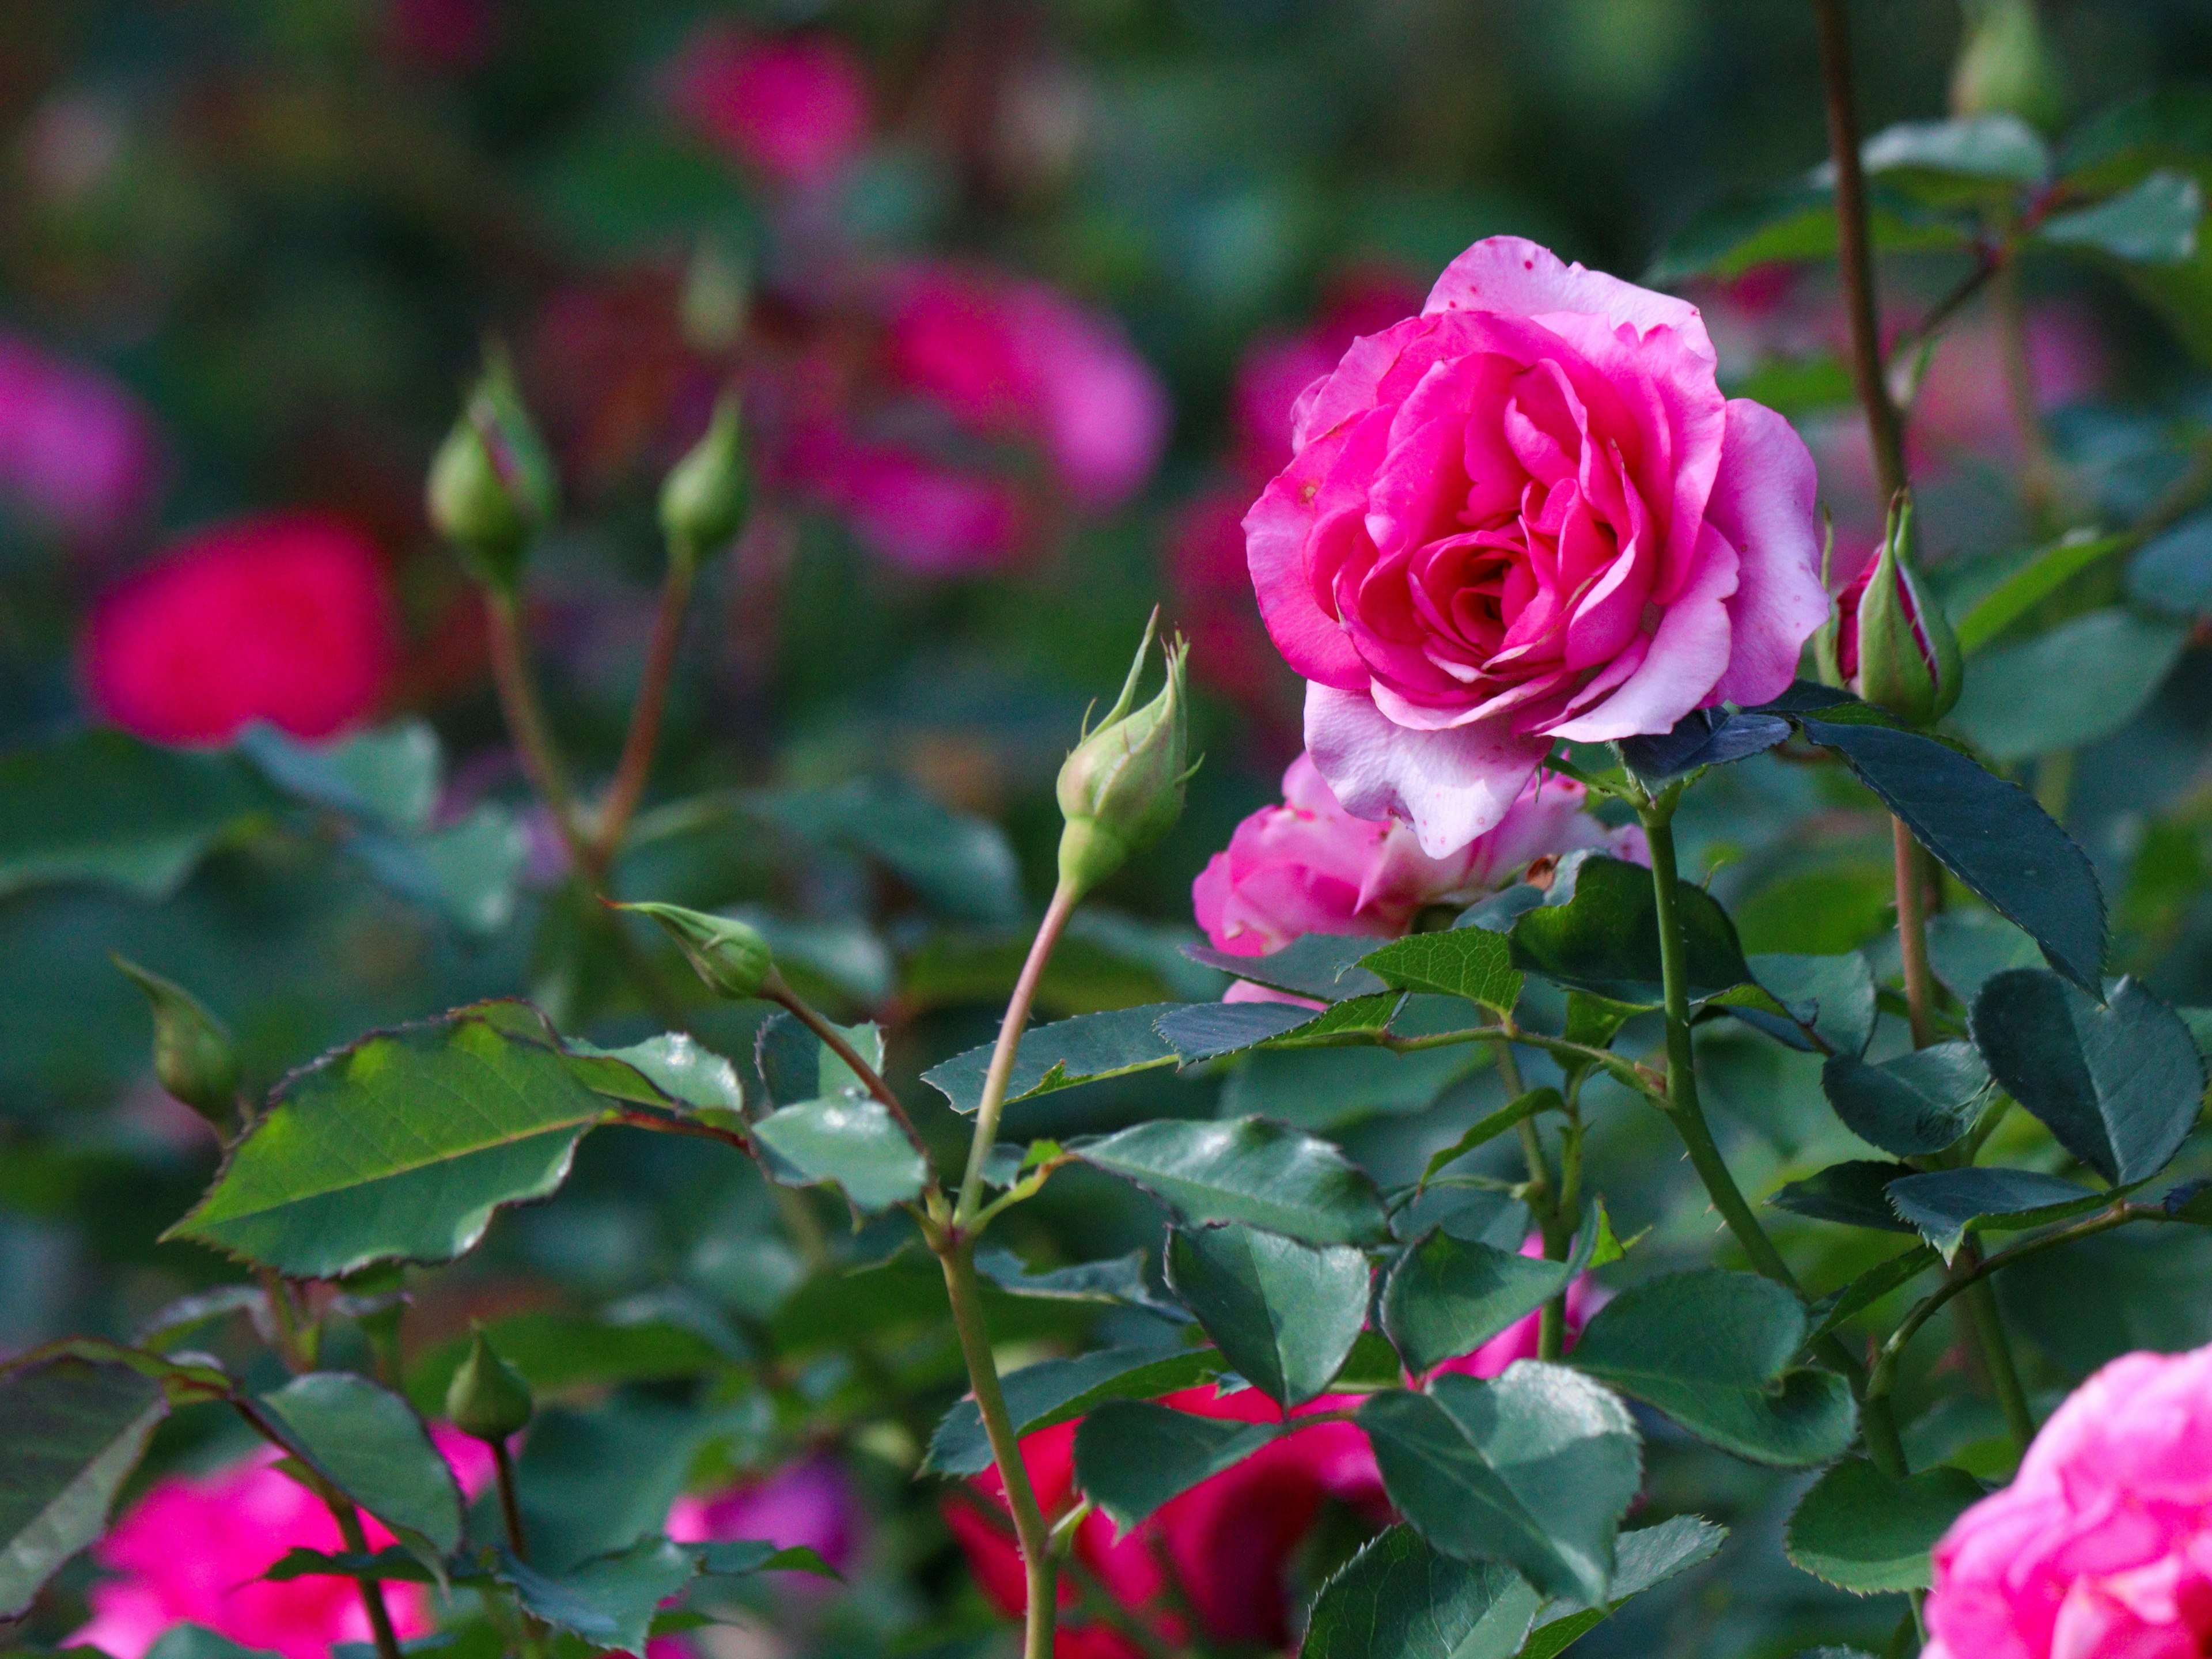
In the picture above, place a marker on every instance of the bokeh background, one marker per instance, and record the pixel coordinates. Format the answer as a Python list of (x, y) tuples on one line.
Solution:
[(1018, 294)]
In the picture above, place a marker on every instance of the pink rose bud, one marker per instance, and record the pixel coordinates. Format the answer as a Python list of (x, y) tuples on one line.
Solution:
[(77, 449), (794, 110), (1886, 643), (288, 617), (1527, 514)]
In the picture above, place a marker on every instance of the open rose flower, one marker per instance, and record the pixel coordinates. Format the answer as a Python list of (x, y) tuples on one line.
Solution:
[(1527, 514), (2101, 1548)]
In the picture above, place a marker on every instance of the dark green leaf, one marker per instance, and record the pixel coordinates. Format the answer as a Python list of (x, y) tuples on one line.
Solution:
[(1246, 1170), (400, 1147), (1058, 1390), (853, 1141), (2174, 574), (1283, 1313), (1487, 1129), (392, 1563), (1863, 1532), (1982, 610), (1119, 1279), (1832, 1311), (198, 1642), (1399, 1599), (1989, 834), (367, 1441), (1835, 995), (1942, 1203), (1703, 737), (1535, 1469), (557, 1353), (2083, 681), (740, 1557), (1969, 157), (1644, 1558), (1132, 1456), (594, 1481), (2155, 223), (1855, 1193), (1197, 1032), (1446, 1297), (1322, 966), (1794, 222), (71, 1434), (1600, 932), (1061, 1055), (609, 1600), (1918, 1103), (2120, 1085), (388, 776), (961, 866), (1325, 1089), (1712, 1350), (1460, 961)]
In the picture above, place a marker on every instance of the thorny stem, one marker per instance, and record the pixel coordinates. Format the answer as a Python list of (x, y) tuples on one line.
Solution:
[(994, 1098), (510, 1511), (638, 744), (526, 724)]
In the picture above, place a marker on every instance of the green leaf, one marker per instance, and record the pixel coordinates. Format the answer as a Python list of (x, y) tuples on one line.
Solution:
[(1917, 1103), (71, 1434), (1599, 931), (961, 866), (1326, 1090), (1061, 1055), (741, 1558), (1702, 737), (467, 871), (1712, 1350), (1246, 1170), (388, 776), (400, 1147), (2120, 1085), (1863, 1532), (1855, 1193), (1461, 962), (1989, 834), (1446, 1297), (1118, 1280), (1058, 1390), (1487, 1129), (1868, 1288), (1200, 1031), (1835, 995), (594, 1481), (2155, 223), (1322, 966), (1399, 1599), (391, 1562), (1984, 611), (676, 1066), (1644, 1559), (1795, 222), (367, 1441), (1942, 1203), (1967, 158), (2174, 574), (1535, 1469), (198, 1642), (2083, 681), (1132, 1456), (105, 808), (609, 1600), (1284, 1314), (853, 1141), (558, 1352)]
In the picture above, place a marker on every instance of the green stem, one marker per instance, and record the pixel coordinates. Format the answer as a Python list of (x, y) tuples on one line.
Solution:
[(1978, 1303), (774, 988), (371, 1592), (993, 1100), (644, 733), (510, 1511), (527, 723), (1912, 934)]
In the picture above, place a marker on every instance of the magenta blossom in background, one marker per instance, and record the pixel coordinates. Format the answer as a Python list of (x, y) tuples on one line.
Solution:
[(77, 449), (1277, 367), (809, 1504), (1520, 1339), (925, 517), (2101, 1548), (1526, 514), (794, 109), (288, 617)]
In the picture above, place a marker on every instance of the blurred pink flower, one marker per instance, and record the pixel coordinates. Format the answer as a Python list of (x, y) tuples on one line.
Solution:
[(77, 449), (923, 516), (792, 108), (1005, 357), (1964, 408), (192, 1549), (2101, 1548), (1211, 589), (1518, 1341), (1277, 368), (288, 617), (807, 1504), (441, 34)]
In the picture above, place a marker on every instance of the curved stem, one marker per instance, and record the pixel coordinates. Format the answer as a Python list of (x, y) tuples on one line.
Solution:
[(1985, 1325), (993, 1100), (636, 764), (777, 991), (527, 723)]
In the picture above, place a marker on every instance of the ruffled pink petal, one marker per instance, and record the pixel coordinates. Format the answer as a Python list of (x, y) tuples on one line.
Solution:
[(1688, 655), (1276, 531), (1450, 786), (1763, 502), (1513, 275)]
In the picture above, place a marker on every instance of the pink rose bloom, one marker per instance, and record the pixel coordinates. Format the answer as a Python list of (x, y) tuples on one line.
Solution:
[(808, 1504), (192, 1550), (288, 617), (925, 517), (77, 449), (1210, 594), (2101, 1548), (1527, 514), (794, 109), (1309, 867), (1010, 358)]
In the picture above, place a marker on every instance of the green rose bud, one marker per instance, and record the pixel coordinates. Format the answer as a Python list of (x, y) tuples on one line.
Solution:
[(703, 503), (733, 959), (488, 1397), (193, 1056), (2003, 66), (492, 484), (1122, 788), (1901, 656)]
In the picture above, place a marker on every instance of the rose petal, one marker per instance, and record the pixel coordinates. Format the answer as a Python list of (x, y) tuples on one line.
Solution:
[(1450, 786), (1763, 502)]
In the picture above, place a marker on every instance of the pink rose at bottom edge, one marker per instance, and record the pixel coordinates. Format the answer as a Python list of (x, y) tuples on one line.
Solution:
[(2101, 1548), (192, 1549)]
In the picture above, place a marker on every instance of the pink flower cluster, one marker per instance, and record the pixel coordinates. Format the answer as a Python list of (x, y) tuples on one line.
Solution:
[(2101, 1548), (77, 450), (792, 109)]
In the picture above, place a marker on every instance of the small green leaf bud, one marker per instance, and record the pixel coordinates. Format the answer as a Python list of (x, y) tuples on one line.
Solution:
[(703, 500), (193, 1056), (716, 300), (487, 1397), (1904, 657), (733, 958), (492, 484), (1122, 788)]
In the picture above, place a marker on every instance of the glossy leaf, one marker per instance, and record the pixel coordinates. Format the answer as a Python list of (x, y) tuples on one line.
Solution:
[(1447, 1296), (608, 1600), (1917, 1103), (1132, 1456), (1989, 834), (2153, 222), (1863, 1532), (1116, 1280), (71, 1434), (1534, 1469), (1644, 1559), (1713, 1351), (1460, 961), (1832, 995), (2081, 682), (1942, 1203), (1982, 610), (1855, 1193), (1246, 1170), (1284, 1314), (1198, 1031), (853, 1142), (1600, 932), (367, 1441), (1083, 1049), (1058, 1390), (1322, 966), (1703, 737), (1399, 1599), (2119, 1085)]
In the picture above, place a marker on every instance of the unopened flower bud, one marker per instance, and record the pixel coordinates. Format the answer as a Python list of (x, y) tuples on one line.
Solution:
[(1122, 788), (492, 484), (193, 1056), (716, 299), (703, 501), (487, 1398), (2003, 66), (733, 958), (1894, 646)]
